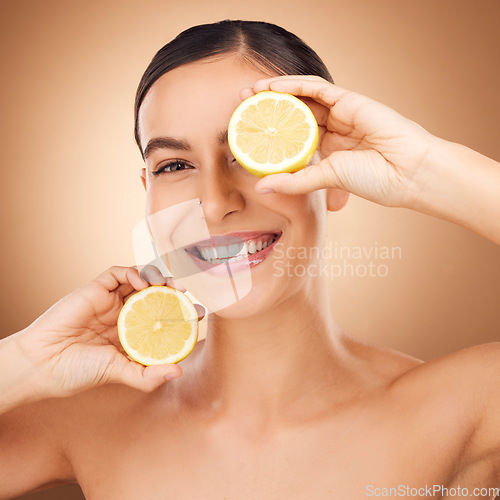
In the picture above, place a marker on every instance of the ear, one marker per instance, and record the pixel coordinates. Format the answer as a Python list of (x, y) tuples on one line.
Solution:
[(142, 173), (336, 199)]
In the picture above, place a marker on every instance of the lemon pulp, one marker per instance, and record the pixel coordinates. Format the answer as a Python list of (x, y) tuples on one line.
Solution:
[(158, 325), (273, 132)]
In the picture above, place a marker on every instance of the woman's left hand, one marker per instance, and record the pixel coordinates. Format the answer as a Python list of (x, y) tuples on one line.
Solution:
[(368, 149)]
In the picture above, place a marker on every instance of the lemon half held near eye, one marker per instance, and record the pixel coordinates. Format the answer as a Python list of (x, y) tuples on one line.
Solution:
[(273, 132)]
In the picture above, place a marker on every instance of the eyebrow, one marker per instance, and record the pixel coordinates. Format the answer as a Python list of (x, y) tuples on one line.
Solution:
[(222, 138), (165, 143), (178, 144)]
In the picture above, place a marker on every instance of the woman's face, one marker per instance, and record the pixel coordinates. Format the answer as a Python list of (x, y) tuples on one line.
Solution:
[(191, 105)]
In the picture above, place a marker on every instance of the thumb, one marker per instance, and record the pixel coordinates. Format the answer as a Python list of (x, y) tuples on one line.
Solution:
[(144, 378), (319, 176)]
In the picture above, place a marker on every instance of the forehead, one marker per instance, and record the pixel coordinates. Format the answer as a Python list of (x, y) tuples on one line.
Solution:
[(195, 98)]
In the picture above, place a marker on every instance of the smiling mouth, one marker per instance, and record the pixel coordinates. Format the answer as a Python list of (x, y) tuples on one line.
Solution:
[(232, 248)]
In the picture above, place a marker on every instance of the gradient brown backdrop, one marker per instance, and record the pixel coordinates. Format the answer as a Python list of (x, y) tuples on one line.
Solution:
[(70, 190)]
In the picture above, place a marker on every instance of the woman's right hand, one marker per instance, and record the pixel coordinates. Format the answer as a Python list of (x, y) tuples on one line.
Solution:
[(74, 345)]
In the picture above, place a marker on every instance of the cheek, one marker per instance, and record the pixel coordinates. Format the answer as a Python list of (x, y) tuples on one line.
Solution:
[(307, 211), (307, 215), (155, 202), (162, 195)]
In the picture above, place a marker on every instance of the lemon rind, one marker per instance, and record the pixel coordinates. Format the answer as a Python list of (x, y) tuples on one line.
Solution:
[(146, 360)]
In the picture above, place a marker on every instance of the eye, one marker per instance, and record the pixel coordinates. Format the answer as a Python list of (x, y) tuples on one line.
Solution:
[(172, 166)]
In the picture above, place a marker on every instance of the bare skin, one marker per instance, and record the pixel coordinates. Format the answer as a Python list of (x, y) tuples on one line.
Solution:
[(278, 401)]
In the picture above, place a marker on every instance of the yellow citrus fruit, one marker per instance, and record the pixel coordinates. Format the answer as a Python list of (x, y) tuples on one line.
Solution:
[(273, 132), (158, 325)]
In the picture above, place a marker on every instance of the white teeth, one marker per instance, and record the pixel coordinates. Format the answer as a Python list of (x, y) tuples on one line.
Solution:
[(244, 249), (222, 252), (234, 249), (238, 251)]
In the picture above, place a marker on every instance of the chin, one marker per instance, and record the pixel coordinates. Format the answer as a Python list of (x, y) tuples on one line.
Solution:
[(259, 300)]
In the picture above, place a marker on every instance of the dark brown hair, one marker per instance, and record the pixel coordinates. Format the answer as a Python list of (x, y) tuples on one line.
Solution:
[(264, 44)]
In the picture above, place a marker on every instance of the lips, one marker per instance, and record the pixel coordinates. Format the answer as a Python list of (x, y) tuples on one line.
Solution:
[(230, 248)]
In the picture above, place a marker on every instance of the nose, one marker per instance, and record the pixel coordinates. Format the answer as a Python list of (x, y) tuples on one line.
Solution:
[(221, 192)]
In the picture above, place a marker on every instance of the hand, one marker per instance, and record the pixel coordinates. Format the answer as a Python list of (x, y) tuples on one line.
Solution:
[(74, 345), (368, 149)]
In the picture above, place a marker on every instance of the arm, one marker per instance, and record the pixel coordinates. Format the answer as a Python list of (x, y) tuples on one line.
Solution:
[(457, 397), (483, 385), (73, 347), (29, 456), (462, 186), (31, 451), (17, 383), (372, 151), (470, 380)]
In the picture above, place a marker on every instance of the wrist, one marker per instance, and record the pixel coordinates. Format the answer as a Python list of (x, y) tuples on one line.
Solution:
[(19, 382), (457, 184), (432, 178)]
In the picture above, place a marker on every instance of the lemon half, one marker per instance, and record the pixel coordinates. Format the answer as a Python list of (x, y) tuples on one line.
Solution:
[(158, 325), (273, 132)]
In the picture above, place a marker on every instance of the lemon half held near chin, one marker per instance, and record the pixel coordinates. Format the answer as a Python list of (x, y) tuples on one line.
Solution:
[(158, 325), (272, 132)]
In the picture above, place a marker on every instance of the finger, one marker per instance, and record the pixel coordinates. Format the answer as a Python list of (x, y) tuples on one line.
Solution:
[(320, 112), (152, 275), (175, 284), (125, 291), (126, 297), (316, 88), (154, 278), (144, 378), (246, 93), (311, 178), (200, 310), (310, 78), (115, 276)]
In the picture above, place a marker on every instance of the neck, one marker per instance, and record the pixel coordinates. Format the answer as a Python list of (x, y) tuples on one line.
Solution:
[(267, 363)]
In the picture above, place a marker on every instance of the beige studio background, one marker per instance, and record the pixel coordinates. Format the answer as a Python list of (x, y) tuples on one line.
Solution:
[(70, 191)]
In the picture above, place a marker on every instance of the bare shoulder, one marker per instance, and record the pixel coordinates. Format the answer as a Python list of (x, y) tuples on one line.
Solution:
[(464, 389), (474, 370), (32, 452), (464, 385), (381, 363), (470, 373), (456, 396)]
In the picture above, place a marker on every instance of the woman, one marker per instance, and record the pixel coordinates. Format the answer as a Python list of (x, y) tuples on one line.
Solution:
[(278, 401)]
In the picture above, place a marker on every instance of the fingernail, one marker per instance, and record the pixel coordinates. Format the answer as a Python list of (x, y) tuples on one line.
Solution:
[(265, 191), (171, 376)]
